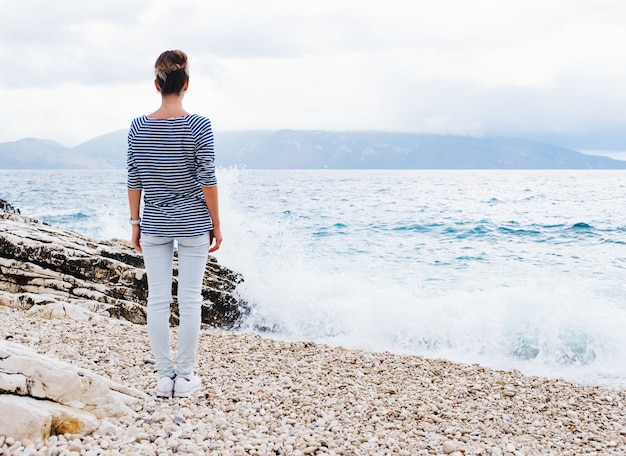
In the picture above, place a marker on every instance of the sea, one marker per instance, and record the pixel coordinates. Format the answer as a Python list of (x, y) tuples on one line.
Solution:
[(509, 269)]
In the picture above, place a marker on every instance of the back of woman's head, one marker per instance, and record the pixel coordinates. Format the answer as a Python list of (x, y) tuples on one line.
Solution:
[(171, 72)]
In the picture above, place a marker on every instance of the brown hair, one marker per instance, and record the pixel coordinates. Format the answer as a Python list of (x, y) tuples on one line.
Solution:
[(171, 72)]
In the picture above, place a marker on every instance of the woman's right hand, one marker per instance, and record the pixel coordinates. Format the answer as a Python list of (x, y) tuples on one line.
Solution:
[(215, 239)]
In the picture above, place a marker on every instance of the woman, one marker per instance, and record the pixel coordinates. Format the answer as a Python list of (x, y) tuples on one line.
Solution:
[(171, 161)]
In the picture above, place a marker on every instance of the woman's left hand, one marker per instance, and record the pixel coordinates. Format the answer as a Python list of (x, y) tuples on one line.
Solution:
[(136, 238)]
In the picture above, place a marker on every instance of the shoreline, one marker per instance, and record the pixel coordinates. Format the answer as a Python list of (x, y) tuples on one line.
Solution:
[(264, 396)]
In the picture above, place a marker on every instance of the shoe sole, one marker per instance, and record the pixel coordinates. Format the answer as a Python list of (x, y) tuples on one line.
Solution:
[(163, 394), (187, 393)]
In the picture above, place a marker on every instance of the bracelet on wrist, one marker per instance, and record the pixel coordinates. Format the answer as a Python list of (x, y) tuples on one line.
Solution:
[(135, 222)]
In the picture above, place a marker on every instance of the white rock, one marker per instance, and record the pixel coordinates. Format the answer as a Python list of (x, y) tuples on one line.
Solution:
[(448, 447), (29, 418), (62, 310), (13, 383), (61, 382), (50, 394)]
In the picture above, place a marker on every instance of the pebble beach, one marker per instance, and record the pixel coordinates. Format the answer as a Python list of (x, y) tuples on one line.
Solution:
[(262, 396)]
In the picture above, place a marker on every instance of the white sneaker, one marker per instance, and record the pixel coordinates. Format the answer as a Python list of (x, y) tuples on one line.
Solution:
[(185, 388), (165, 387)]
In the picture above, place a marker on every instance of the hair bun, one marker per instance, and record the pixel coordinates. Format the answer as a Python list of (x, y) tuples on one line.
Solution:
[(170, 61), (171, 72)]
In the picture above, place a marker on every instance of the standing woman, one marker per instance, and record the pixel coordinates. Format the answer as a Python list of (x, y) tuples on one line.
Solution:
[(171, 161)]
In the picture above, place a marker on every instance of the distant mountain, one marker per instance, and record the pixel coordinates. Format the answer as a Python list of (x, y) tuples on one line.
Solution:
[(109, 148), (288, 149), (31, 153), (383, 150)]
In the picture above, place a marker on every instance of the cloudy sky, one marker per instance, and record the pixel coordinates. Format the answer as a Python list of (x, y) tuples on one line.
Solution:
[(543, 69)]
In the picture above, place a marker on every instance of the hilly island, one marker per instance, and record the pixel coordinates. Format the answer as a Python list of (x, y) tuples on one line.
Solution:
[(290, 149)]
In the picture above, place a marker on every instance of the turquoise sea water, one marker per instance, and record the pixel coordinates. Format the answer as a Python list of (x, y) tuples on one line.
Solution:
[(509, 269)]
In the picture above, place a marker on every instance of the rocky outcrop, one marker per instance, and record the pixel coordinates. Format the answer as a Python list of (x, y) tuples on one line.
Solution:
[(44, 265), (5, 206), (43, 397)]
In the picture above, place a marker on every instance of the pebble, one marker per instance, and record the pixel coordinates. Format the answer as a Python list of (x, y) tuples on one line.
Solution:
[(263, 396), (448, 447)]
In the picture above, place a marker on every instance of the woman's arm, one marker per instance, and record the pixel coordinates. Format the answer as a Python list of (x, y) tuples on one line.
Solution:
[(211, 198)]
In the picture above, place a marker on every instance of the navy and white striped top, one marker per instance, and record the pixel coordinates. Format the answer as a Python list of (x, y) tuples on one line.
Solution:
[(171, 160)]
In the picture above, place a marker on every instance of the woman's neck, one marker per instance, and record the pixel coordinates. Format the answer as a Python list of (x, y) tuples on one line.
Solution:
[(171, 106)]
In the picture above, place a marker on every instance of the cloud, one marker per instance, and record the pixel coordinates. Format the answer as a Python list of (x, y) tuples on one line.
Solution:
[(73, 69), (50, 44)]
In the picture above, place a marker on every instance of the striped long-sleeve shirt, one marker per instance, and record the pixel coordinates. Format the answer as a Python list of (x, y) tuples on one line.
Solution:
[(171, 160)]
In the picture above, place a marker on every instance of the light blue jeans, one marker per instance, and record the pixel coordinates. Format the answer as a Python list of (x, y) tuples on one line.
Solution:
[(158, 255)]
